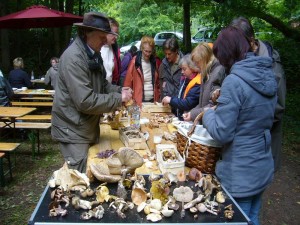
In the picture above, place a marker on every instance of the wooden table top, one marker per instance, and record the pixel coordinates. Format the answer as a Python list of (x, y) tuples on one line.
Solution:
[(32, 103), (109, 139), (40, 81), (13, 112), (35, 92)]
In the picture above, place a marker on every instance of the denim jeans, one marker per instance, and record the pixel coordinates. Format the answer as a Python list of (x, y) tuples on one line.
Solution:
[(251, 206)]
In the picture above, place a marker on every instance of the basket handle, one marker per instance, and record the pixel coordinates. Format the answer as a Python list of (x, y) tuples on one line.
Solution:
[(196, 121)]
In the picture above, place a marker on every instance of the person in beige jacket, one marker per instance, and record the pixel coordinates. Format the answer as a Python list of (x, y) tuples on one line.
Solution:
[(83, 93)]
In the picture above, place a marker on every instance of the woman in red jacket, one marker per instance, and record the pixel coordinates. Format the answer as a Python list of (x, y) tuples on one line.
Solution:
[(142, 74)]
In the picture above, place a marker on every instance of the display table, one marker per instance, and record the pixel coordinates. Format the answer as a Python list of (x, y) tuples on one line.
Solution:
[(110, 140), (40, 214)]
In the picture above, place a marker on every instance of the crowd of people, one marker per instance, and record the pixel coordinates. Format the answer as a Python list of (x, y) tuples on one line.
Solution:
[(237, 82)]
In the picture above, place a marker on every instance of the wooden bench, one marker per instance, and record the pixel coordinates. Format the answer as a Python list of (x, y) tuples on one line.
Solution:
[(32, 104), (5, 150), (37, 98), (35, 118), (37, 126)]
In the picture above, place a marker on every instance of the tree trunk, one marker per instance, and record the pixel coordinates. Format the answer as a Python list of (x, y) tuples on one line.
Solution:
[(5, 53), (187, 25), (278, 24), (285, 29)]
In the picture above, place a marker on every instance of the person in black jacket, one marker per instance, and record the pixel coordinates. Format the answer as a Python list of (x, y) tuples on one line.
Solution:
[(18, 78), (6, 92), (189, 89)]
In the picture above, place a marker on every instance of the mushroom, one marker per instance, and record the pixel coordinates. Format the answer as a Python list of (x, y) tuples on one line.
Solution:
[(141, 206), (193, 209), (69, 178), (220, 197), (193, 202), (87, 193), (83, 204), (138, 196), (121, 191), (183, 194), (125, 158), (228, 212), (165, 210), (202, 208), (102, 193), (97, 213), (181, 176), (120, 205), (154, 217), (153, 177), (156, 204), (55, 209), (101, 172), (171, 177), (195, 174)]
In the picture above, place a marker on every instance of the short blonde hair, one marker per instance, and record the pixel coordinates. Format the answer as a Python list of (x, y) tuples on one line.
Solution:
[(18, 63), (147, 40), (202, 55)]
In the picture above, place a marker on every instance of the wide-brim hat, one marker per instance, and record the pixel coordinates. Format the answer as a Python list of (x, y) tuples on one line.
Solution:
[(96, 21)]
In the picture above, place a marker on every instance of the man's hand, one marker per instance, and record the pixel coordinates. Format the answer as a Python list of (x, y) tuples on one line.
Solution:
[(126, 94), (186, 116)]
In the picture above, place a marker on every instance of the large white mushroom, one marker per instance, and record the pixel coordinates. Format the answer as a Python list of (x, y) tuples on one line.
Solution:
[(125, 158), (183, 194)]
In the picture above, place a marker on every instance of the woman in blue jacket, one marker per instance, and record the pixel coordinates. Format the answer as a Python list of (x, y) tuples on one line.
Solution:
[(242, 121), (189, 88)]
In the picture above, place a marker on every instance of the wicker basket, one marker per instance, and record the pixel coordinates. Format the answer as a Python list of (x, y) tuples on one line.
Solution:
[(197, 147)]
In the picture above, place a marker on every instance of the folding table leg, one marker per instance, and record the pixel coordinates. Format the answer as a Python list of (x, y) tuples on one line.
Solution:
[(9, 164), (32, 138), (2, 177)]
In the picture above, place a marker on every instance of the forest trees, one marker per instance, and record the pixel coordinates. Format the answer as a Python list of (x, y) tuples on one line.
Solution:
[(146, 17)]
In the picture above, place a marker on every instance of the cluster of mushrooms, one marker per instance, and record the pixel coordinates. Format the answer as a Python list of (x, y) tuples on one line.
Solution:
[(72, 189), (156, 119)]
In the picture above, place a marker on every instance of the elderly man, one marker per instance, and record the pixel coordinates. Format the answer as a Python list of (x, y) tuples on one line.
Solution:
[(83, 93)]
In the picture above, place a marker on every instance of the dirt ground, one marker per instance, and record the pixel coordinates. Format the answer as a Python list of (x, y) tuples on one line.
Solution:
[(281, 201)]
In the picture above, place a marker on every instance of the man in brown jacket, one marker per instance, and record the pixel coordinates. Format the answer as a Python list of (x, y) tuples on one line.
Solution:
[(83, 93)]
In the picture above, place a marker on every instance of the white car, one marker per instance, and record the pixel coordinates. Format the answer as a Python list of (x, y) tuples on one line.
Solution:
[(125, 48), (160, 37)]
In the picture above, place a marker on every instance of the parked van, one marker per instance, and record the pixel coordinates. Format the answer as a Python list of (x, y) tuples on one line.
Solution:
[(206, 34)]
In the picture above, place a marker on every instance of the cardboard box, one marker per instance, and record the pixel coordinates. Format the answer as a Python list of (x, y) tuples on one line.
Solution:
[(173, 166), (133, 138)]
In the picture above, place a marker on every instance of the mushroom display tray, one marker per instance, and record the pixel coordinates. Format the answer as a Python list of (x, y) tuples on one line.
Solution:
[(40, 214)]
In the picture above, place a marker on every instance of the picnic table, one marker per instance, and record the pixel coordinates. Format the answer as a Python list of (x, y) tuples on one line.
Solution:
[(34, 92), (8, 115)]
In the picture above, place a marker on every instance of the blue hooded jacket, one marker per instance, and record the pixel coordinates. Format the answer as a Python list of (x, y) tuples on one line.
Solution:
[(242, 123)]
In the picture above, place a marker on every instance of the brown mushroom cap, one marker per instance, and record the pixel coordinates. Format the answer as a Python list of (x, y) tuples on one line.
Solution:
[(138, 196), (125, 158)]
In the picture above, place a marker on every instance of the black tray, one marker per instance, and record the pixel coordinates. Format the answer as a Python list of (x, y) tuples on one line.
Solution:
[(40, 214)]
